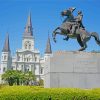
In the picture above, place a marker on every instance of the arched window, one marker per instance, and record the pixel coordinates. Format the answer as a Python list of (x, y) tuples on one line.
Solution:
[(22, 67), (35, 58), (26, 68), (2, 57), (5, 57), (18, 58), (28, 28), (27, 59), (41, 70), (24, 59), (29, 46), (4, 69), (25, 46)]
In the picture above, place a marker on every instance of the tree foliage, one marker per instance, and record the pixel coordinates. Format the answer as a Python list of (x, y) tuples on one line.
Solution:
[(41, 82), (18, 77)]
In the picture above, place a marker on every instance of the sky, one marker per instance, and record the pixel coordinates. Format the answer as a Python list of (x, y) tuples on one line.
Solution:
[(45, 18)]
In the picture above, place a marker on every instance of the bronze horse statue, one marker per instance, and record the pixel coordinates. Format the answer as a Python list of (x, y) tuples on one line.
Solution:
[(80, 34)]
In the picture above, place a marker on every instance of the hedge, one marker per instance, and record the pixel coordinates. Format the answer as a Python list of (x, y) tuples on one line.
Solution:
[(40, 93)]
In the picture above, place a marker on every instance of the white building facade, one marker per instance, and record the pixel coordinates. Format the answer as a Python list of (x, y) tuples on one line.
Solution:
[(27, 58)]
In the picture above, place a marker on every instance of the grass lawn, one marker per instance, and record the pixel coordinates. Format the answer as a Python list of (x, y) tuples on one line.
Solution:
[(40, 93)]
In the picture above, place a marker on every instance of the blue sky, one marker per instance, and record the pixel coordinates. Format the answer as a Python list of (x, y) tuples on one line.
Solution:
[(45, 18)]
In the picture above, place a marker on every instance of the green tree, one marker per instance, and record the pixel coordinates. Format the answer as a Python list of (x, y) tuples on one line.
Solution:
[(41, 82), (9, 77), (29, 77), (18, 77)]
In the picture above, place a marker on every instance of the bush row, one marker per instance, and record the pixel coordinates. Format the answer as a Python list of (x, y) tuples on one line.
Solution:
[(40, 93)]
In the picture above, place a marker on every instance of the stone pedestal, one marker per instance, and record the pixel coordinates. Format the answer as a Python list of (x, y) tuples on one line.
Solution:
[(72, 69)]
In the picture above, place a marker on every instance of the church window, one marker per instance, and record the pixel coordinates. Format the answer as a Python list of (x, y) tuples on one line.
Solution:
[(35, 67), (18, 58), (25, 46), (28, 29), (26, 68), (4, 69), (41, 71), (2, 57), (24, 59), (35, 58), (29, 46), (5, 57), (27, 59), (22, 67)]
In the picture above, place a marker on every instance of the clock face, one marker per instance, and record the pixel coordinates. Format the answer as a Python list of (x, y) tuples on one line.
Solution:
[(27, 45)]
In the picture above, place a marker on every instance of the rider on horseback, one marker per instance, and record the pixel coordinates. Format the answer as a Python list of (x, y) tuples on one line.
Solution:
[(75, 23), (78, 23), (74, 29)]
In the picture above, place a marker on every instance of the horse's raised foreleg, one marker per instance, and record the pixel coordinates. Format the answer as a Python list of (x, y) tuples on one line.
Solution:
[(54, 34), (56, 29)]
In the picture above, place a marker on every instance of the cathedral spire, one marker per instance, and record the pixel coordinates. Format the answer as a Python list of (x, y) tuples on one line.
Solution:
[(6, 47), (48, 46), (28, 28)]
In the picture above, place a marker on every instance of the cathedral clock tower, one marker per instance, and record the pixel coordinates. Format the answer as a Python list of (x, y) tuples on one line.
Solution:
[(28, 39)]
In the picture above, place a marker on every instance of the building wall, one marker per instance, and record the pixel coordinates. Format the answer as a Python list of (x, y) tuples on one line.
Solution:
[(72, 69), (6, 61)]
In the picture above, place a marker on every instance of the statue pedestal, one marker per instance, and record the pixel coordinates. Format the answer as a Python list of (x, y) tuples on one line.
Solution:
[(72, 69)]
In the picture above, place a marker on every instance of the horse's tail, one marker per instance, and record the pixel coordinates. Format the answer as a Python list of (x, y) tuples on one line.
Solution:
[(96, 36)]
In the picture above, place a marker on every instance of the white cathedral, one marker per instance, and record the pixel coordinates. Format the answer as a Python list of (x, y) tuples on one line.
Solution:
[(27, 58)]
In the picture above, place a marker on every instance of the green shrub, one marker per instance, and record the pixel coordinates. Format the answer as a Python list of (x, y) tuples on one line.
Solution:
[(40, 93), (41, 82)]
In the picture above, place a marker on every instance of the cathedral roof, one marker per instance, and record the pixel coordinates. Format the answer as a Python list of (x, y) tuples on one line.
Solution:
[(6, 47), (28, 28), (48, 47)]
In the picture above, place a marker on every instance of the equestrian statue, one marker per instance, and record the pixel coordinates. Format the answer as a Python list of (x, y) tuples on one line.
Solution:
[(72, 27)]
